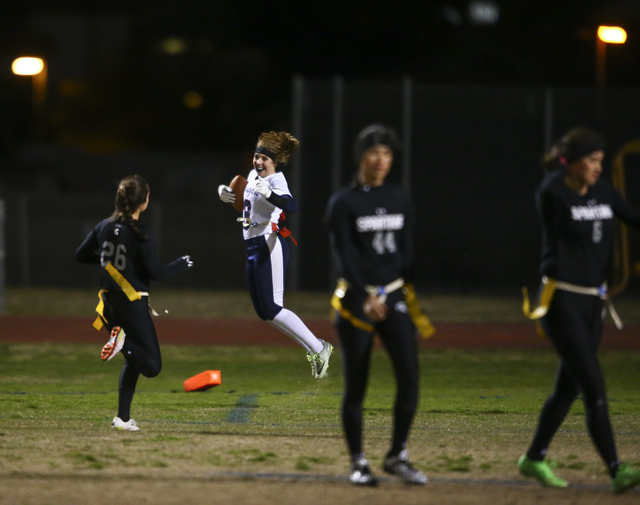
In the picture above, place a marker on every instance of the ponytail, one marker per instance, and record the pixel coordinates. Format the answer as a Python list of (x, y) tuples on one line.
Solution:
[(131, 194)]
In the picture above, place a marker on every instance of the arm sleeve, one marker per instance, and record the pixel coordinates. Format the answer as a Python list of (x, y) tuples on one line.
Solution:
[(89, 250), (625, 211), (156, 270), (286, 203), (344, 245)]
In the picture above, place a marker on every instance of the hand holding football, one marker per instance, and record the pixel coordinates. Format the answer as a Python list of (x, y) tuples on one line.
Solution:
[(226, 194)]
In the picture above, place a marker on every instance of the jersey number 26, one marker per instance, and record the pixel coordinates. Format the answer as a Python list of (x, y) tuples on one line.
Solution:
[(116, 254)]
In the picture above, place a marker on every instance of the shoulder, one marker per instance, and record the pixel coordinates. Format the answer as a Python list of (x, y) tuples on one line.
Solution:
[(552, 183), (396, 192), (277, 177), (103, 225), (395, 198), (144, 228), (341, 198)]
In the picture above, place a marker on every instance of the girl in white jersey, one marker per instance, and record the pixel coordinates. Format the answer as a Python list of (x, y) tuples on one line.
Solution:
[(266, 197)]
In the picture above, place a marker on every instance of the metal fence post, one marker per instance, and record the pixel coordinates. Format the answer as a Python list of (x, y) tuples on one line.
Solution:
[(23, 234), (297, 125), (407, 123), (3, 304)]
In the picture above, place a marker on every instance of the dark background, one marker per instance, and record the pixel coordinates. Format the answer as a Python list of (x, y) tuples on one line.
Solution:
[(116, 104)]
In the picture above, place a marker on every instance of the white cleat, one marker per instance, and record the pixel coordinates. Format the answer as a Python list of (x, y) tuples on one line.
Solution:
[(119, 424), (399, 465), (114, 346), (361, 473)]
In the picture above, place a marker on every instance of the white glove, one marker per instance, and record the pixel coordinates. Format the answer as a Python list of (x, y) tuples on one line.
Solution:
[(226, 194), (263, 188), (187, 259)]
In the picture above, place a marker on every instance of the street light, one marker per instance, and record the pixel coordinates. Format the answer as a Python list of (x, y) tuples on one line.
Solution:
[(606, 35), (37, 69), (612, 34)]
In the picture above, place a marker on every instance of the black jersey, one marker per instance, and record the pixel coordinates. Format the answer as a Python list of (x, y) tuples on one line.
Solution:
[(136, 258), (577, 230), (371, 234)]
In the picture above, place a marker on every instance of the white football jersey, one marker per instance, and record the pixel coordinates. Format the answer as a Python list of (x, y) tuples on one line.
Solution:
[(257, 209)]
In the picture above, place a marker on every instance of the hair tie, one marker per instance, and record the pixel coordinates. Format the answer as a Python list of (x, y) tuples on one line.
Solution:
[(563, 160)]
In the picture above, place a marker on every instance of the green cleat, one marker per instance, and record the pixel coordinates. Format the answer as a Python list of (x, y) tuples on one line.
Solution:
[(541, 471), (320, 360), (625, 479)]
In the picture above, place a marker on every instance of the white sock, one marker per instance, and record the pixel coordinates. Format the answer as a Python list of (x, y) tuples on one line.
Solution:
[(291, 325)]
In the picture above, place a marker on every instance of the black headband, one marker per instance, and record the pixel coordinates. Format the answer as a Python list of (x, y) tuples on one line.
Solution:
[(582, 150), (266, 152)]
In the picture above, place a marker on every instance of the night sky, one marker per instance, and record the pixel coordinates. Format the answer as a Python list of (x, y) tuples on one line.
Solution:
[(108, 72)]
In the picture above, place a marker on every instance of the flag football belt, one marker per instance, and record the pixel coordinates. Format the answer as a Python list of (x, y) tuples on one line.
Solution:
[(246, 222), (126, 287), (419, 318), (381, 292), (549, 288)]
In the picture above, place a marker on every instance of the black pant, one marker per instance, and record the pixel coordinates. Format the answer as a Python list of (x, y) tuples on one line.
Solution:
[(574, 326), (398, 335), (141, 349)]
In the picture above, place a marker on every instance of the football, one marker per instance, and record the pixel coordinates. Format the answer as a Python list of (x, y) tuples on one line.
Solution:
[(237, 185)]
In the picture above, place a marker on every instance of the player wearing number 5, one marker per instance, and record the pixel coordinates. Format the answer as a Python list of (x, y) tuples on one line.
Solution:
[(127, 253), (371, 227), (577, 211), (266, 196)]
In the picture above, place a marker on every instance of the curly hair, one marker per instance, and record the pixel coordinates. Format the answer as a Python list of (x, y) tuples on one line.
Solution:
[(131, 194), (281, 144)]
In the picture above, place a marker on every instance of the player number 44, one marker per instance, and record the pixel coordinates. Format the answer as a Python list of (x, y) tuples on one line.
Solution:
[(114, 254), (384, 242)]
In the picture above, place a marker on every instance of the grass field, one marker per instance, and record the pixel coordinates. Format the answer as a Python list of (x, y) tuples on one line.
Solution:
[(271, 434), (271, 424)]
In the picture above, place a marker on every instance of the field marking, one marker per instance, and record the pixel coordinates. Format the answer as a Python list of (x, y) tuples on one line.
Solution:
[(241, 413), (300, 477)]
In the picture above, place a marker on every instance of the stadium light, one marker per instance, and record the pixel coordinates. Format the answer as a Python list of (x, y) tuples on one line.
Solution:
[(484, 12), (612, 34), (27, 65), (36, 68), (606, 35)]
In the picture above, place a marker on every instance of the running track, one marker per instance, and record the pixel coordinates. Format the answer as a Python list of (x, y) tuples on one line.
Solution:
[(30, 329)]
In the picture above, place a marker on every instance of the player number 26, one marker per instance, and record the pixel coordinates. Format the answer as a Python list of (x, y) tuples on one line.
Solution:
[(116, 254)]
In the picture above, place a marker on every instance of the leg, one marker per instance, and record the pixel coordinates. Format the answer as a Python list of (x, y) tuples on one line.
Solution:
[(356, 346), (554, 411), (141, 347), (581, 327), (267, 258), (399, 337), (126, 389), (141, 351)]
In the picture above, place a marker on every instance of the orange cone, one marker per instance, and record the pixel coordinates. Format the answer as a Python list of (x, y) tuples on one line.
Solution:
[(203, 381)]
